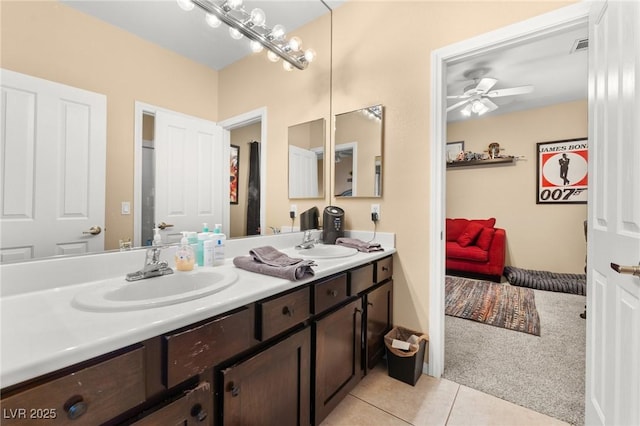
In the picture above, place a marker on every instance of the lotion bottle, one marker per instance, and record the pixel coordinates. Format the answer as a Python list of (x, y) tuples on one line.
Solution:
[(202, 237), (219, 240), (185, 257)]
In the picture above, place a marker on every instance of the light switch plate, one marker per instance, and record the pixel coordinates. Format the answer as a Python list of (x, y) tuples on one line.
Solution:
[(126, 207)]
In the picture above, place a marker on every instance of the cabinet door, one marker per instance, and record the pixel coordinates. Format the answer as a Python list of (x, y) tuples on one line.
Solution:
[(338, 356), (272, 387), (379, 316)]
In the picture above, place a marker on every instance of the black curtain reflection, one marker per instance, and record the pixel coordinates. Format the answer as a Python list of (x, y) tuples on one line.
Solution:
[(253, 190)]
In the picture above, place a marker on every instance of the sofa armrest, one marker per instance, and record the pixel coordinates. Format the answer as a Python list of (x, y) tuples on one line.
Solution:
[(498, 251)]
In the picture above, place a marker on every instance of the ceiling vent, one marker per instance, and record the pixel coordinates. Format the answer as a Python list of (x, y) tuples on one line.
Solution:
[(580, 45)]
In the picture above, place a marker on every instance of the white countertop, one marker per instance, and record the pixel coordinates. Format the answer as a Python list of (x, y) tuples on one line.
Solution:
[(42, 331)]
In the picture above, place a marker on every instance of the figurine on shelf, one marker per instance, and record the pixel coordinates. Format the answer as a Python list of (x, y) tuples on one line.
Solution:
[(494, 150)]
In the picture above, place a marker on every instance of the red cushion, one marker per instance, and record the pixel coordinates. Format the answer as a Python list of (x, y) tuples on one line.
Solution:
[(455, 227), (485, 237), (489, 223), (470, 234), (472, 253)]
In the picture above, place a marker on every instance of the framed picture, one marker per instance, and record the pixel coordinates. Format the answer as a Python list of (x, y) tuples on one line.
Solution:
[(234, 167), (453, 149), (562, 171)]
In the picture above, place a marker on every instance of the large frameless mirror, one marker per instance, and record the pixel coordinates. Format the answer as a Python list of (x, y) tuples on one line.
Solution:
[(357, 153), (306, 159)]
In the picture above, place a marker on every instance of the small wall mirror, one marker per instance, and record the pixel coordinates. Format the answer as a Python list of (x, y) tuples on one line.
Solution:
[(306, 159), (358, 153)]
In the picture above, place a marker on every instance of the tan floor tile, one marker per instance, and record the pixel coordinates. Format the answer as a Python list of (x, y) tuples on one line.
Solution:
[(354, 412), (426, 403), (475, 408)]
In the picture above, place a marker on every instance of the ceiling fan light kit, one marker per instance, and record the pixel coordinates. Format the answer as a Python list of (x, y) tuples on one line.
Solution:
[(475, 98), (252, 24)]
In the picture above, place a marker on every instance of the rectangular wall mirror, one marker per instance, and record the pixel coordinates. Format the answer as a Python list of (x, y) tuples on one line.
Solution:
[(306, 159), (358, 153)]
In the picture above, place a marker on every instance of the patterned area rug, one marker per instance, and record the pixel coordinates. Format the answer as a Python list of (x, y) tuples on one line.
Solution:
[(500, 305)]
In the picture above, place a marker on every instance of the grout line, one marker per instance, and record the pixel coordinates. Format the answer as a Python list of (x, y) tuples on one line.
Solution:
[(378, 408), (454, 403)]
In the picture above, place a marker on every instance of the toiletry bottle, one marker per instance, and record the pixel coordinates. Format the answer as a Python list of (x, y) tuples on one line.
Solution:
[(192, 237), (208, 251), (219, 240), (185, 257), (202, 237), (157, 238)]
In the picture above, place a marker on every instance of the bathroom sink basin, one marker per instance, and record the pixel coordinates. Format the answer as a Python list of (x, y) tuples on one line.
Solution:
[(121, 295), (325, 251)]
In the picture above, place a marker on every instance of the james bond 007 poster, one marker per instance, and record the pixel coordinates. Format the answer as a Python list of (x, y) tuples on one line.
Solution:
[(562, 172)]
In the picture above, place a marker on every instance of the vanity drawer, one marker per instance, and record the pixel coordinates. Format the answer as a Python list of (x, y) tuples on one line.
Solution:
[(92, 395), (329, 293), (191, 351), (361, 279), (281, 313), (194, 406), (384, 269)]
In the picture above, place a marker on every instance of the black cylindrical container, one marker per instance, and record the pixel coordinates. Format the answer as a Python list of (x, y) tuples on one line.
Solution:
[(332, 224)]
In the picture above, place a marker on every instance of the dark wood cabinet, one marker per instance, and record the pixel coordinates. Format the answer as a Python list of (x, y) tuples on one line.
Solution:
[(270, 387), (193, 407), (379, 317), (338, 342)]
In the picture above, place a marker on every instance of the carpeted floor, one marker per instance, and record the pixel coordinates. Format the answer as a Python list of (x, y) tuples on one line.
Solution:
[(545, 373)]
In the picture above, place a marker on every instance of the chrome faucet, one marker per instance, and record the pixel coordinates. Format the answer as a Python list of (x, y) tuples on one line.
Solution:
[(307, 241), (153, 267)]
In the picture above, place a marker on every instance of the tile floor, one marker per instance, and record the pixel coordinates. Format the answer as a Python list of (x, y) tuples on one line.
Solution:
[(381, 400)]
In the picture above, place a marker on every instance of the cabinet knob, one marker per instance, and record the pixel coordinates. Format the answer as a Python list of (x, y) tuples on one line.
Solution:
[(75, 407), (385, 268), (287, 311), (358, 310), (333, 293), (198, 412), (369, 303)]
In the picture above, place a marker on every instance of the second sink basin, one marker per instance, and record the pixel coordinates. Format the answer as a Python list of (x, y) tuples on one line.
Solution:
[(121, 295), (326, 251)]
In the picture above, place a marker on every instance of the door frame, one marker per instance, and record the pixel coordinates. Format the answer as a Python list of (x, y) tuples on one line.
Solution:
[(539, 26), (245, 119)]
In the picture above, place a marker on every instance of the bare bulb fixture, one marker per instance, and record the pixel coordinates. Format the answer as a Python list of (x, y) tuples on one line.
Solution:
[(235, 34), (186, 5), (212, 20)]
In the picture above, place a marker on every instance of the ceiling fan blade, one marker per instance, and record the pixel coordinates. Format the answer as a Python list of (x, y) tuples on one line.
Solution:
[(485, 84), (459, 97), (510, 92), (458, 104), (489, 104)]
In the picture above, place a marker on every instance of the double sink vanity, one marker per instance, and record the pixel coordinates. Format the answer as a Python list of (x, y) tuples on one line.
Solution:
[(217, 346)]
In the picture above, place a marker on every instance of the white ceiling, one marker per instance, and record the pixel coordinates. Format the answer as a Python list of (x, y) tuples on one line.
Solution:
[(547, 64)]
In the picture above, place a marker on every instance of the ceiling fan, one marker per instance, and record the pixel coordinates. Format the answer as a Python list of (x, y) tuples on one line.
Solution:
[(476, 97)]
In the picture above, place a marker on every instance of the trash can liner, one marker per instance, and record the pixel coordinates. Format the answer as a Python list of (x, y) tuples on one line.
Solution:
[(400, 333)]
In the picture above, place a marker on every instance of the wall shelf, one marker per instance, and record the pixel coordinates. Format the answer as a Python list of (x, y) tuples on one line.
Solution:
[(488, 162)]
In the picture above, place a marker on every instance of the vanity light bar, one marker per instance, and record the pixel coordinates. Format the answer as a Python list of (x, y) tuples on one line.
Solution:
[(240, 19)]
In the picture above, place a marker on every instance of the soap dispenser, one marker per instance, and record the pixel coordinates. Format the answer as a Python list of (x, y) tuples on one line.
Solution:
[(157, 238), (185, 257)]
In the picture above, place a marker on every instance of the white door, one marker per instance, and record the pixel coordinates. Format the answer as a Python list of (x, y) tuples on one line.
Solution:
[(303, 173), (191, 174), (613, 299), (52, 168)]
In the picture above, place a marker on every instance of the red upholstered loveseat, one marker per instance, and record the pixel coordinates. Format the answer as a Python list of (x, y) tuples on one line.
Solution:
[(475, 248)]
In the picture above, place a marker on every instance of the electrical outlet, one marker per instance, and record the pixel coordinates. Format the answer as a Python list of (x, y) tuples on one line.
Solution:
[(293, 211), (375, 209)]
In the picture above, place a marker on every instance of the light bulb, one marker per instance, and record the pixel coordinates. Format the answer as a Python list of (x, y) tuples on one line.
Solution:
[(235, 34), (278, 32), (272, 56), (212, 20), (309, 55), (258, 17), (186, 5), (287, 66), (295, 43), (255, 46), (234, 4)]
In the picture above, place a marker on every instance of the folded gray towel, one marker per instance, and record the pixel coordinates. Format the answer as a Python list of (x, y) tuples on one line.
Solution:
[(295, 272), (360, 245), (271, 256)]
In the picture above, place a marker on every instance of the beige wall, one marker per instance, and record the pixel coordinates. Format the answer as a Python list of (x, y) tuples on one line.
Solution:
[(49, 40), (544, 237), (238, 212)]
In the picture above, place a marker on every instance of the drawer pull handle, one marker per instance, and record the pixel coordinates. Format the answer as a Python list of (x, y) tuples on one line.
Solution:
[(385, 268), (358, 310), (369, 303), (235, 390), (287, 311), (333, 293), (75, 407), (197, 412)]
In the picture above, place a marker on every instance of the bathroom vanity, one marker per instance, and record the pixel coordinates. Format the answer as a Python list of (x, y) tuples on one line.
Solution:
[(273, 349)]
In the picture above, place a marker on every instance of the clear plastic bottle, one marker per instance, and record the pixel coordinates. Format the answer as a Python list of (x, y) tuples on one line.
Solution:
[(185, 258), (219, 240), (202, 237), (157, 238)]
